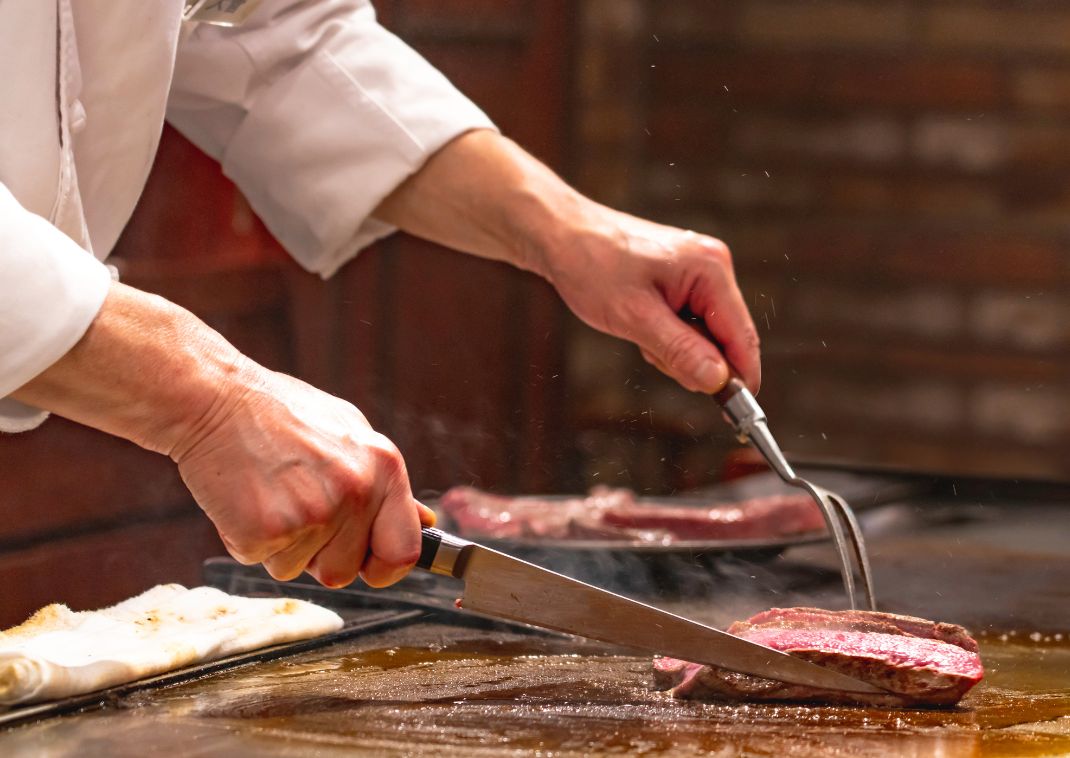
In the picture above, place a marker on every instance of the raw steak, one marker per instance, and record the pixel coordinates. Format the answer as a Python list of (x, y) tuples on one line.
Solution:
[(616, 514), (919, 662)]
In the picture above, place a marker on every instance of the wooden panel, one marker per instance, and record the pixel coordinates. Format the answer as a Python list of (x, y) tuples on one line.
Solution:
[(895, 206), (64, 476), (99, 569), (453, 357), (455, 367)]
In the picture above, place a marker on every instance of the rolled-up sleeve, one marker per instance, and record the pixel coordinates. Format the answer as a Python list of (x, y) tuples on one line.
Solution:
[(50, 291), (317, 113)]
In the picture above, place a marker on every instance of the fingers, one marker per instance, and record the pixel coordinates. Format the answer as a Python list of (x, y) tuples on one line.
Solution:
[(700, 277), (395, 540), (354, 550), (680, 351), (338, 562), (715, 297), (735, 332), (288, 564), (427, 516)]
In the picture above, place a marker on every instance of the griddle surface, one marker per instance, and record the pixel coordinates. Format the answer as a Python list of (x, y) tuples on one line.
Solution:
[(437, 690)]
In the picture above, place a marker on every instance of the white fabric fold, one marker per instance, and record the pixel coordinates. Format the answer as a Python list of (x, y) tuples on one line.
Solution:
[(317, 113), (59, 653), (312, 107), (50, 291)]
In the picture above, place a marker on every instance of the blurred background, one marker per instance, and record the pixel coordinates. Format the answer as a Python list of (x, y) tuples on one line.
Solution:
[(891, 175)]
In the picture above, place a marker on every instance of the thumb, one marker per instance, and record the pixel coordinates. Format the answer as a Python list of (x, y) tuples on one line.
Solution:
[(427, 516), (682, 352)]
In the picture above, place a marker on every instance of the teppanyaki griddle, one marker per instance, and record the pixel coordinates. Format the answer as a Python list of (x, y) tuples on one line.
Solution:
[(441, 687)]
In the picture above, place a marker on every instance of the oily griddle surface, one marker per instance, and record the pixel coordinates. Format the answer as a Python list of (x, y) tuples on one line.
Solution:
[(438, 690)]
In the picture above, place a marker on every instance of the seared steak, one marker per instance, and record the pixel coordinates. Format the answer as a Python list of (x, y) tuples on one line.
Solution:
[(919, 662), (616, 514)]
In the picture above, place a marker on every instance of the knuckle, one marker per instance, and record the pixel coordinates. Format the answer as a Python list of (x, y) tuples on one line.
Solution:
[(245, 549), (715, 248), (240, 552), (355, 482), (388, 459), (316, 512), (401, 558), (274, 527), (282, 573), (678, 350)]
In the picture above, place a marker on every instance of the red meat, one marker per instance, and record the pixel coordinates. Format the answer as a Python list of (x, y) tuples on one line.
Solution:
[(919, 662), (616, 514)]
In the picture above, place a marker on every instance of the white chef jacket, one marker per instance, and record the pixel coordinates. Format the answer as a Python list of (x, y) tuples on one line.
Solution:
[(311, 107)]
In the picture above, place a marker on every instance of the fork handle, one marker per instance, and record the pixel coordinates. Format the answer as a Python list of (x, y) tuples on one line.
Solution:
[(734, 386)]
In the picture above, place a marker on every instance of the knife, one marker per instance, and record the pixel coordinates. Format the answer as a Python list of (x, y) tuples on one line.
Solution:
[(499, 585)]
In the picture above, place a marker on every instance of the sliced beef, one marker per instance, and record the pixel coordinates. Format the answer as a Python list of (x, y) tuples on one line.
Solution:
[(616, 514), (758, 518), (482, 514), (919, 662)]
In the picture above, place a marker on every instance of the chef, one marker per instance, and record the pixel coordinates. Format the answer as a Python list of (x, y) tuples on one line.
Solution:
[(338, 134)]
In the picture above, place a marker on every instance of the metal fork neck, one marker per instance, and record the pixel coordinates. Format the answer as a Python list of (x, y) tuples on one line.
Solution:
[(752, 425)]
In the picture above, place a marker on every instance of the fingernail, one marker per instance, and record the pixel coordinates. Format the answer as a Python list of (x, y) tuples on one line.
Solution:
[(711, 375)]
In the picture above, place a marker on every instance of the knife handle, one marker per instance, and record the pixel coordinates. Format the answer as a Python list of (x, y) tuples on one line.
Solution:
[(440, 552)]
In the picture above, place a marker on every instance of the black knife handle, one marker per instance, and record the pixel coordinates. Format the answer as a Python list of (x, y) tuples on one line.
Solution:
[(440, 552), (430, 540)]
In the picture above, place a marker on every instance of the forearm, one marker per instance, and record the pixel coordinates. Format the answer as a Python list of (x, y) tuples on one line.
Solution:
[(623, 275), (483, 194), (146, 370)]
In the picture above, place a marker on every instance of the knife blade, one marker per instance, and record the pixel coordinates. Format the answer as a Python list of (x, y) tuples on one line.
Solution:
[(499, 585)]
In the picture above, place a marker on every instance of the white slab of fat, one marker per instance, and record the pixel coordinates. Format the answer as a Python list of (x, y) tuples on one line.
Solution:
[(58, 652)]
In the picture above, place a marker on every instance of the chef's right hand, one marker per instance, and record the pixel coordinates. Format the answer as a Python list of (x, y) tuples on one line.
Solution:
[(297, 479)]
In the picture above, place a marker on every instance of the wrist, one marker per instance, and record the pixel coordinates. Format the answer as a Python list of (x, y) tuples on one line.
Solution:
[(574, 231), (210, 377), (483, 194), (145, 370), (177, 372), (555, 223)]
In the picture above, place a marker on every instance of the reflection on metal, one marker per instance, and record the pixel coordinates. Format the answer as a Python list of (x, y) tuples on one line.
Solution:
[(751, 424), (502, 586)]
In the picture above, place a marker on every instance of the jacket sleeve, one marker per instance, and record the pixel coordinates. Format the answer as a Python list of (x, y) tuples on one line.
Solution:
[(50, 291), (317, 113)]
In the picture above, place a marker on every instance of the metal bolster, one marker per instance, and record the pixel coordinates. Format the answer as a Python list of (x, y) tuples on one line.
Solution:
[(743, 410), (752, 426), (441, 552)]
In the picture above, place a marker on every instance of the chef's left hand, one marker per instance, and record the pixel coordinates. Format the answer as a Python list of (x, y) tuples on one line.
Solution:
[(483, 194), (631, 278)]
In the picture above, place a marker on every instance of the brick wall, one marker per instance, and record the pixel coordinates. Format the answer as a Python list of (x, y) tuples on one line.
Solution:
[(893, 179)]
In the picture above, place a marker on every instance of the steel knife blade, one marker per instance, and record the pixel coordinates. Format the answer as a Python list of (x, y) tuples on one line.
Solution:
[(499, 585)]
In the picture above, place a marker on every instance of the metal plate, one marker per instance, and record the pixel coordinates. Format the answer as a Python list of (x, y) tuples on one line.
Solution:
[(367, 624), (862, 491), (683, 548)]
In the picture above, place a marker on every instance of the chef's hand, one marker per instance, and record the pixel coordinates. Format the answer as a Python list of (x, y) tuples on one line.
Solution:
[(631, 278), (298, 480), (483, 194), (291, 476)]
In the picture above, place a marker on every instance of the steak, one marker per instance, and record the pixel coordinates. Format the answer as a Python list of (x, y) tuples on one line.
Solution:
[(482, 514), (919, 662), (757, 518), (616, 514)]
